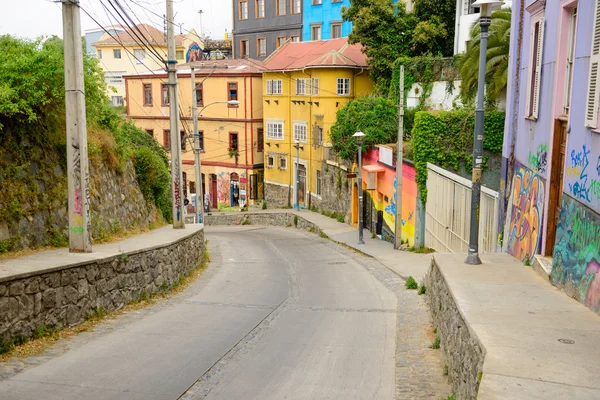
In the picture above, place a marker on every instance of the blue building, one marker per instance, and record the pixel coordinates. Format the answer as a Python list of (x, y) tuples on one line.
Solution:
[(322, 19)]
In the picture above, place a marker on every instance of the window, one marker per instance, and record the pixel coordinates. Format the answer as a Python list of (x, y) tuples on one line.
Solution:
[(114, 78), (260, 140), (282, 163), (100, 54), (117, 53), (270, 161), (535, 66), (343, 86), (317, 2), (165, 94), (570, 60), (150, 132), (318, 183), (182, 137), (591, 110), (147, 94), (274, 86), (243, 9), (244, 49), (233, 141), (139, 55), (199, 94), (262, 47), (260, 8), (184, 176), (167, 139), (274, 130), (281, 10), (179, 54), (295, 39), (116, 101), (318, 136), (232, 92), (300, 128), (336, 30), (296, 6), (316, 32), (301, 86), (315, 86), (280, 41), (199, 141)]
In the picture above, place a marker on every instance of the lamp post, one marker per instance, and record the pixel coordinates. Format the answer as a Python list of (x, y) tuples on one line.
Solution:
[(195, 142), (297, 183), (485, 7), (359, 138)]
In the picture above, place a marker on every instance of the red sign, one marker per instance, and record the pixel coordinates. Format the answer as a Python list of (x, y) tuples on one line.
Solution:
[(243, 180)]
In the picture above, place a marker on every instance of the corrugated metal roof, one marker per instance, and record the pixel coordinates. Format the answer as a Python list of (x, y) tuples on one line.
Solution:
[(317, 54)]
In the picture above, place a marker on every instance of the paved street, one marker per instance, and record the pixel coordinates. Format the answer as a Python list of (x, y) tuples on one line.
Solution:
[(279, 314)]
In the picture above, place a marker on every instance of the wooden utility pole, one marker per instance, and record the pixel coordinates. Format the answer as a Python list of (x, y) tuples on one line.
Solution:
[(80, 237), (176, 173), (398, 230)]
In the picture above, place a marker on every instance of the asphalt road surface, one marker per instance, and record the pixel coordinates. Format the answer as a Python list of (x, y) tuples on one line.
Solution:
[(279, 314)]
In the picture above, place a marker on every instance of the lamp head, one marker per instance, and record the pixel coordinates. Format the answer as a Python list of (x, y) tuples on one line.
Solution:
[(359, 136), (233, 103), (485, 6)]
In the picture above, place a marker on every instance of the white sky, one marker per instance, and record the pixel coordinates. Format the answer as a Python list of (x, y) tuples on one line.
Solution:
[(34, 18)]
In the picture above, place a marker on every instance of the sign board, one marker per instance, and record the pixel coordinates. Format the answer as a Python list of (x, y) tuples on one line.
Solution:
[(243, 180), (386, 156)]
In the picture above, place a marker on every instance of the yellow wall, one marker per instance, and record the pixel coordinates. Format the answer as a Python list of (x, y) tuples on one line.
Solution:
[(282, 107), (217, 121)]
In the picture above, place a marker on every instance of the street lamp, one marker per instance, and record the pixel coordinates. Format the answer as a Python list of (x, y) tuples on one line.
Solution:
[(359, 138), (197, 149), (485, 7), (297, 185)]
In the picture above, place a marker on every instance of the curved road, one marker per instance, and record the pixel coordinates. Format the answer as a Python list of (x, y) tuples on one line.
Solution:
[(279, 314)]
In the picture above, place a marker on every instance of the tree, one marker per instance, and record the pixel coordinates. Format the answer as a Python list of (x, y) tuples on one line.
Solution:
[(376, 116), (440, 14), (496, 58)]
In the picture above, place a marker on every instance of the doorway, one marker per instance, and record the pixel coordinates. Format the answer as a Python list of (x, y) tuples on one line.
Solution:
[(213, 191), (235, 189), (301, 184), (559, 149)]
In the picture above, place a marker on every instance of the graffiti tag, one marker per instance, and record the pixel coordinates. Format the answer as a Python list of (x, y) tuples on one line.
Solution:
[(581, 188), (539, 159)]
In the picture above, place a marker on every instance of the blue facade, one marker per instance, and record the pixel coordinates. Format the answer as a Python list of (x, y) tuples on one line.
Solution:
[(325, 14)]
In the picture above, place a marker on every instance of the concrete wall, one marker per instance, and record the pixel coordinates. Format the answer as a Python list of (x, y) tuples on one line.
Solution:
[(64, 295), (462, 351)]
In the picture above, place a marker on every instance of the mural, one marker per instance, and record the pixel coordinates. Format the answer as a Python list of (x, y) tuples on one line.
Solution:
[(539, 160), (583, 182), (194, 53), (223, 186), (526, 207), (577, 253)]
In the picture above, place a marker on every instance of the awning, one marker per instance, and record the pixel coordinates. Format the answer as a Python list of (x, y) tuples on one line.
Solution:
[(373, 168)]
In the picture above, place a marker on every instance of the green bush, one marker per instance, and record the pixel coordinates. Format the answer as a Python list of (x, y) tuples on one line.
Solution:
[(411, 284)]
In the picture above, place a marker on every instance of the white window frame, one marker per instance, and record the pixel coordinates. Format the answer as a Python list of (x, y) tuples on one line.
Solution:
[(300, 131), (262, 45), (270, 161), (315, 86), (269, 86), (99, 54), (139, 55), (274, 86), (593, 94), (345, 86), (534, 72), (303, 86), (282, 163), (275, 129)]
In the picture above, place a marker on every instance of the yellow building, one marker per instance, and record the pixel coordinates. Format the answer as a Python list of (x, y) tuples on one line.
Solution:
[(305, 84), (139, 50), (231, 135)]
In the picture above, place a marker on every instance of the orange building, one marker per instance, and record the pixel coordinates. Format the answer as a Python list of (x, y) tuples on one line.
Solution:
[(231, 135)]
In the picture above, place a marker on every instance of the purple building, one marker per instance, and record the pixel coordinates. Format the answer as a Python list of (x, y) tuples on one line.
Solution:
[(551, 169)]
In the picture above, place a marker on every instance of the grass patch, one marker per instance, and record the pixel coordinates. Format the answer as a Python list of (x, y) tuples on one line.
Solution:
[(411, 284), (340, 218), (452, 397), (295, 220), (246, 221), (435, 344), (422, 289), (421, 250), (434, 330), (323, 235), (264, 205), (44, 336), (373, 235)]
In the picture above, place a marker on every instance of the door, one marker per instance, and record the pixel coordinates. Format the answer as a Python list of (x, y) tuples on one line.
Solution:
[(559, 149), (213, 191), (301, 184)]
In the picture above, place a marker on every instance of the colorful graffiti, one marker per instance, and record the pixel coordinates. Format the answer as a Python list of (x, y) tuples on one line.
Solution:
[(194, 53), (223, 187), (583, 187), (527, 206), (539, 160), (577, 253)]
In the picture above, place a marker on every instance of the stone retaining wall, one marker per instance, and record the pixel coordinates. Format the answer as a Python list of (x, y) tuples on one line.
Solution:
[(277, 196), (462, 351), (282, 219), (64, 296)]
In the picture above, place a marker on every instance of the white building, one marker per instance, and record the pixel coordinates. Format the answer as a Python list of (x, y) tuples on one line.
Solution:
[(465, 17)]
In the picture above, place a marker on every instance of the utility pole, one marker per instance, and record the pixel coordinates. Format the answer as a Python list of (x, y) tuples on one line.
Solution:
[(297, 183), (80, 237), (398, 232), (197, 150), (176, 176)]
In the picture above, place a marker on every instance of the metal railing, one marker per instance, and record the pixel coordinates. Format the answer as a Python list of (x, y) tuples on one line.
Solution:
[(448, 213)]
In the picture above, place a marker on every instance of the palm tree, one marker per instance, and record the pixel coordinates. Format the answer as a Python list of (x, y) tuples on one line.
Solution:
[(496, 58)]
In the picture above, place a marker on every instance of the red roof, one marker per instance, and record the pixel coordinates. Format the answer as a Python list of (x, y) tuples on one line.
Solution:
[(317, 54)]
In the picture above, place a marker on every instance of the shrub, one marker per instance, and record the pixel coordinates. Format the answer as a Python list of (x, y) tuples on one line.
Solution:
[(411, 283)]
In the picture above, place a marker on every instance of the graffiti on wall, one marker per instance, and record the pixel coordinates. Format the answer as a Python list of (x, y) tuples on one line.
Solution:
[(194, 53), (577, 253), (538, 160), (527, 206), (223, 187), (583, 186)]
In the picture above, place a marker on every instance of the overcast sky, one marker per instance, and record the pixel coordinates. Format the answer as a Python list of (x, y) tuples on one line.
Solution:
[(34, 18)]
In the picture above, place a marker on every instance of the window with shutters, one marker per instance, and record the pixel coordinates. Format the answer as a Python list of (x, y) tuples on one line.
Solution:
[(591, 111), (315, 86), (274, 86), (570, 60), (303, 86), (535, 65)]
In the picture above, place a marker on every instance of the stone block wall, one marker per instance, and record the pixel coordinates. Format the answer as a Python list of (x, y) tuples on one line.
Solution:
[(461, 349), (336, 191), (65, 295), (277, 196), (281, 219)]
